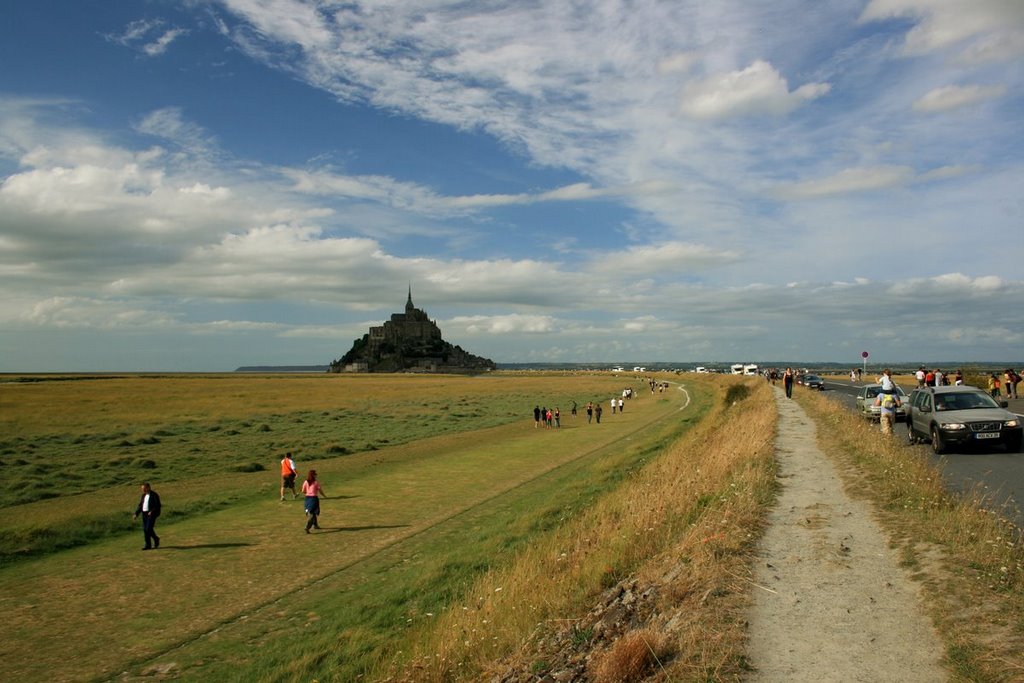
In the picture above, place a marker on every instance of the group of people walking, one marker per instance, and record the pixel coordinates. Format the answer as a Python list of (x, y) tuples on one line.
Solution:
[(149, 506), (549, 417), (311, 490), (1004, 386)]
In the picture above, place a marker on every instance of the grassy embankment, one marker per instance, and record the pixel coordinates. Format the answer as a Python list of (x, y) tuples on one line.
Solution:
[(969, 562), (241, 594), (685, 524)]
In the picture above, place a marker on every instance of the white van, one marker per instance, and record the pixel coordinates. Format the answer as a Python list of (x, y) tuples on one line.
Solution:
[(750, 370), (737, 369)]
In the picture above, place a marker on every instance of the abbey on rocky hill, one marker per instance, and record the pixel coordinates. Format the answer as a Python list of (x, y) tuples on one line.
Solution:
[(409, 342)]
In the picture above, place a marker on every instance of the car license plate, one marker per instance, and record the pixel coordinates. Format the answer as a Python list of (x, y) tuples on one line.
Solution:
[(987, 435)]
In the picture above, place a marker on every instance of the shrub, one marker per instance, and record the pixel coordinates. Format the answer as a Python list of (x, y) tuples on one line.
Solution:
[(249, 467), (736, 393)]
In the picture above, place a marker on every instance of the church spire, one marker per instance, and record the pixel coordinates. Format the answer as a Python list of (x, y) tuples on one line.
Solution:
[(408, 304)]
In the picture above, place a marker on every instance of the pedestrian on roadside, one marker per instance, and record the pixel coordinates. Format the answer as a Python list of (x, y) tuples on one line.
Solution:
[(958, 378), (614, 405), (573, 411), (558, 418), (993, 385), (590, 411), (621, 406), (787, 381), (919, 376), (288, 473), (597, 413), (149, 508), (940, 379), (887, 403), (1009, 388), (312, 489)]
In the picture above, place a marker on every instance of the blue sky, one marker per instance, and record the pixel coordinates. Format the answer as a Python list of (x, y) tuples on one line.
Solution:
[(206, 184)]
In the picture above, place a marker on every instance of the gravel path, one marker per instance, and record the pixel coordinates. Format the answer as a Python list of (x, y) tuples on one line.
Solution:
[(832, 603)]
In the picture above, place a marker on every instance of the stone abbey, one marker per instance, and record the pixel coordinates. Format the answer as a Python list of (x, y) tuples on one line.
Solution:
[(408, 342)]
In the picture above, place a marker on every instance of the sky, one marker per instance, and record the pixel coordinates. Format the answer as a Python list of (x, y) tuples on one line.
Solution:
[(197, 185)]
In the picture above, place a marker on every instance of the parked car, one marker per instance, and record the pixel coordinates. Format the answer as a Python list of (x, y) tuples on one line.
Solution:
[(960, 416), (813, 382), (866, 402)]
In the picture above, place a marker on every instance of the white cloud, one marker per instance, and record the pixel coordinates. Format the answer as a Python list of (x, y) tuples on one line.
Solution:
[(984, 30), (868, 179), (170, 124), (757, 89), (669, 257), (160, 45), (850, 180), (147, 36), (957, 96), (514, 323)]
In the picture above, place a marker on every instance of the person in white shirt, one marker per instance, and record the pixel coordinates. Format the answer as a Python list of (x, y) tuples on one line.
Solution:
[(919, 375), (888, 386)]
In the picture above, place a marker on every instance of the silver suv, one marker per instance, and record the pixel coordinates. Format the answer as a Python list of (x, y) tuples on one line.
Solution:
[(959, 416)]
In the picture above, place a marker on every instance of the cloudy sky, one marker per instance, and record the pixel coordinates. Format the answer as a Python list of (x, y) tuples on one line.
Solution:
[(204, 184)]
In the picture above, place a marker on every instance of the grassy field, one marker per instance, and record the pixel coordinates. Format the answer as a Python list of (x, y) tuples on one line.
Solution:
[(89, 441), (436, 482)]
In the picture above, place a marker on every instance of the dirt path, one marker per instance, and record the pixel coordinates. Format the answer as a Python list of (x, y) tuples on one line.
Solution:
[(832, 603)]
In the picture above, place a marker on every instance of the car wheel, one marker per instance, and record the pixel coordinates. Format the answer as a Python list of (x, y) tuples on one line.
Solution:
[(937, 446)]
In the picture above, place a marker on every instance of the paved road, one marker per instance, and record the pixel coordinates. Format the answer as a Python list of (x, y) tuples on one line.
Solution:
[(999, 474)]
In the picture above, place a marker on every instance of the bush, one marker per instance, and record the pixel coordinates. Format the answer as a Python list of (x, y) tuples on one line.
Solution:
[(736, 393), (249, 467)]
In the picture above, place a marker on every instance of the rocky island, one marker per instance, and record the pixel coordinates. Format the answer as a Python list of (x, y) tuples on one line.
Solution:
[(408, 342)]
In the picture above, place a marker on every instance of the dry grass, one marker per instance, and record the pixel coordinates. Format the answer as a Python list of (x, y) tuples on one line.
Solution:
[(969, 560), (632, 657), (683, 525)]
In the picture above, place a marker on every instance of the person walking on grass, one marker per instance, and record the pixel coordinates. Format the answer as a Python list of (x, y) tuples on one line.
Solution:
[(288, 473), (787, 382), (536, 417), (597, 413), (312, 489), (149, 508)]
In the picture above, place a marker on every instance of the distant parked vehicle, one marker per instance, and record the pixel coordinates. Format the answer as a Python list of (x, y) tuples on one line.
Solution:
[(961, 416), (866, 402)]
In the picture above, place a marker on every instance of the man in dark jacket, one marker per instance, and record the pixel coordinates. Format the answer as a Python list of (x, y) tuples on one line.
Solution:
[(149, 508)]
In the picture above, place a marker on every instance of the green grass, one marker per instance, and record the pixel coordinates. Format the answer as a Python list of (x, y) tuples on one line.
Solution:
[(407, 528), (119, 431)]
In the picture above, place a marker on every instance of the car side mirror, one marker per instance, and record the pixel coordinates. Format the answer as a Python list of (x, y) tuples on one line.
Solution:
[(1004, 404)]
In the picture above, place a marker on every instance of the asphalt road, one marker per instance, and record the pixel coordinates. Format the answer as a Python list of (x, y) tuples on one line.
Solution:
[(997, 475)]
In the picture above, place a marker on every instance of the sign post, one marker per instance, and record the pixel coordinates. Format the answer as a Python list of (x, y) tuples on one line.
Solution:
[(864, 355)]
